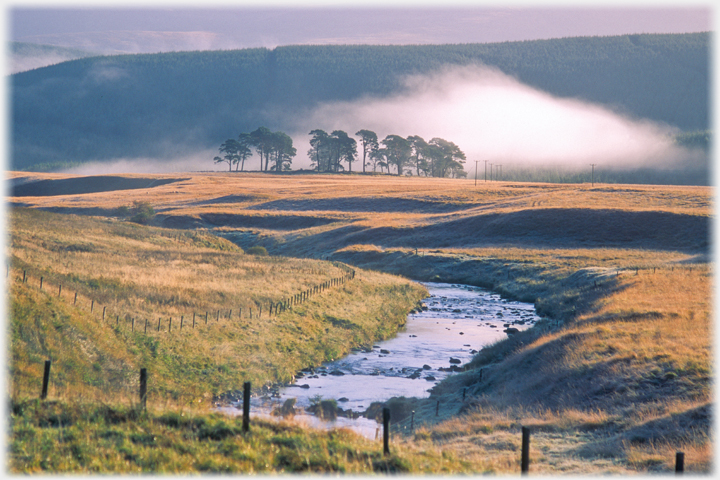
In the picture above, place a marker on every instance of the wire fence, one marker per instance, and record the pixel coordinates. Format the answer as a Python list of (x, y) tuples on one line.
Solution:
[(176, 323), (274, 308)]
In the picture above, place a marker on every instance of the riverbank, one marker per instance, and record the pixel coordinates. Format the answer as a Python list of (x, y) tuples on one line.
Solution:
[(102, 299), (454, 323), (617, 380), (624, 362)]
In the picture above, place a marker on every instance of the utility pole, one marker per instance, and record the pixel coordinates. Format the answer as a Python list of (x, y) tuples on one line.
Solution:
[(476, 162), (491, 172), (592, 175), (498, 166), (485, 170)]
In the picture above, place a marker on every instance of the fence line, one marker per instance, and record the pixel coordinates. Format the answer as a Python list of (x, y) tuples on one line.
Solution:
[(280, 307), (525, 431), (273, 307)]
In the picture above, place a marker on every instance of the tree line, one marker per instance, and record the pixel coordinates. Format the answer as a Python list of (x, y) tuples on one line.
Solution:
[(329, 152), (275, 150), (190, 100)]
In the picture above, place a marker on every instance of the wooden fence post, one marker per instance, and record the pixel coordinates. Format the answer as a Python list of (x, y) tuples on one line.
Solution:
[(181, 321), (92, 305), (24, 275), (159, 319), (206, 317), (525, 454), (246, 407), (41, 282), (146, 322), (386, 431), (143, 388), (75, 300), (679, 462), (46, 380), (193, 319), (169, 324), (132, 324), (103, 317), (59, 290)]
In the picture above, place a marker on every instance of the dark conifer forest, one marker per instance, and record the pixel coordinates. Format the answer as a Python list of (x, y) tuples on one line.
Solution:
[(158, 105)]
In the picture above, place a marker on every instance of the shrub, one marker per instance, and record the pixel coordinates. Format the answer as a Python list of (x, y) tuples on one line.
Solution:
[(123, 211), (142, 212), (258, 250), (325, 409)]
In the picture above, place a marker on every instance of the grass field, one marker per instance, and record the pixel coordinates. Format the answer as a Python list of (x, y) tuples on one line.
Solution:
[(133, 274), (615, 380)]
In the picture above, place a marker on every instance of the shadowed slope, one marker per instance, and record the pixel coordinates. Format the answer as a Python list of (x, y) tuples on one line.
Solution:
[(82, 185)]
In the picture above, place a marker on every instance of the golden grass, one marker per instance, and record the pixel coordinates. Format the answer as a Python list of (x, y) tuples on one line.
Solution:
[(618, 379), (186, 196), (137, 276)]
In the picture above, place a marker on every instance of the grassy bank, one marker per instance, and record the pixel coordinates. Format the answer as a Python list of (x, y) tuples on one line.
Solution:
[(617, 376), (66, 437), (130, 274), (58, 436), (615, 380)]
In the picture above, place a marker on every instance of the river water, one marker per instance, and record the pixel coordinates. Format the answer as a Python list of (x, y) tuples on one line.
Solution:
[(458, 321)]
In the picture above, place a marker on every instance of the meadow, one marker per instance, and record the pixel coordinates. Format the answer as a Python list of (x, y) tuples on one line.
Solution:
[(615, 379), (131, 274)]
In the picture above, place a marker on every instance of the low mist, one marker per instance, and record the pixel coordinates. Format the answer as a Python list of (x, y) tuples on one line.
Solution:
[(492, 116), (22, 63), (201, 160)]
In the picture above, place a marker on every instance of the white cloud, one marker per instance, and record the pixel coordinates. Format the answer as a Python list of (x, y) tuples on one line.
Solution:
[(494, 117)]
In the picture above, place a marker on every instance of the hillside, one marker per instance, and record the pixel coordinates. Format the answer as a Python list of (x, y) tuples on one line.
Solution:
[(160, 105), (615, 379), (28, 56), (193, 308)]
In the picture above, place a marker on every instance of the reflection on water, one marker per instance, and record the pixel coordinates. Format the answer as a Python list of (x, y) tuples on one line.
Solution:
[(458, 320)]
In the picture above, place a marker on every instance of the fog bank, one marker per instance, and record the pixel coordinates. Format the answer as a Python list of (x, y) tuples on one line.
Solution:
[(492, 116), (189, 162)]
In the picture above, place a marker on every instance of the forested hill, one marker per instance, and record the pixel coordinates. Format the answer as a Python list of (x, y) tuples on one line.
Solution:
[(26, 56), (161, 104)]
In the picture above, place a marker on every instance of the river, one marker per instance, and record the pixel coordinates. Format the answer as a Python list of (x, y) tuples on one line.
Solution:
[(457, 322)]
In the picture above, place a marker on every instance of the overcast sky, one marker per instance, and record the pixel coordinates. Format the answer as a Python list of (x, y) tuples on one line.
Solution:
[(181, 27)]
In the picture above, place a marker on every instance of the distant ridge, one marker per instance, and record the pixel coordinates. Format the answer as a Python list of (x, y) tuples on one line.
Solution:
[(158, 105), (27, 56)]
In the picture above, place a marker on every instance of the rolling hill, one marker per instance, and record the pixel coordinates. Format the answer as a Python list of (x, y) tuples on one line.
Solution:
[(27, 56), (159, 105)]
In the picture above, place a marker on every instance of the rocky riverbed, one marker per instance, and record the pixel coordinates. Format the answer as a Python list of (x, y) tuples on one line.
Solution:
[(454, 323)]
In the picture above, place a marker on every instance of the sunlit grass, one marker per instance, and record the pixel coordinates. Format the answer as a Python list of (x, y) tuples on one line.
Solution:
[(616, 380), (145, 281)]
